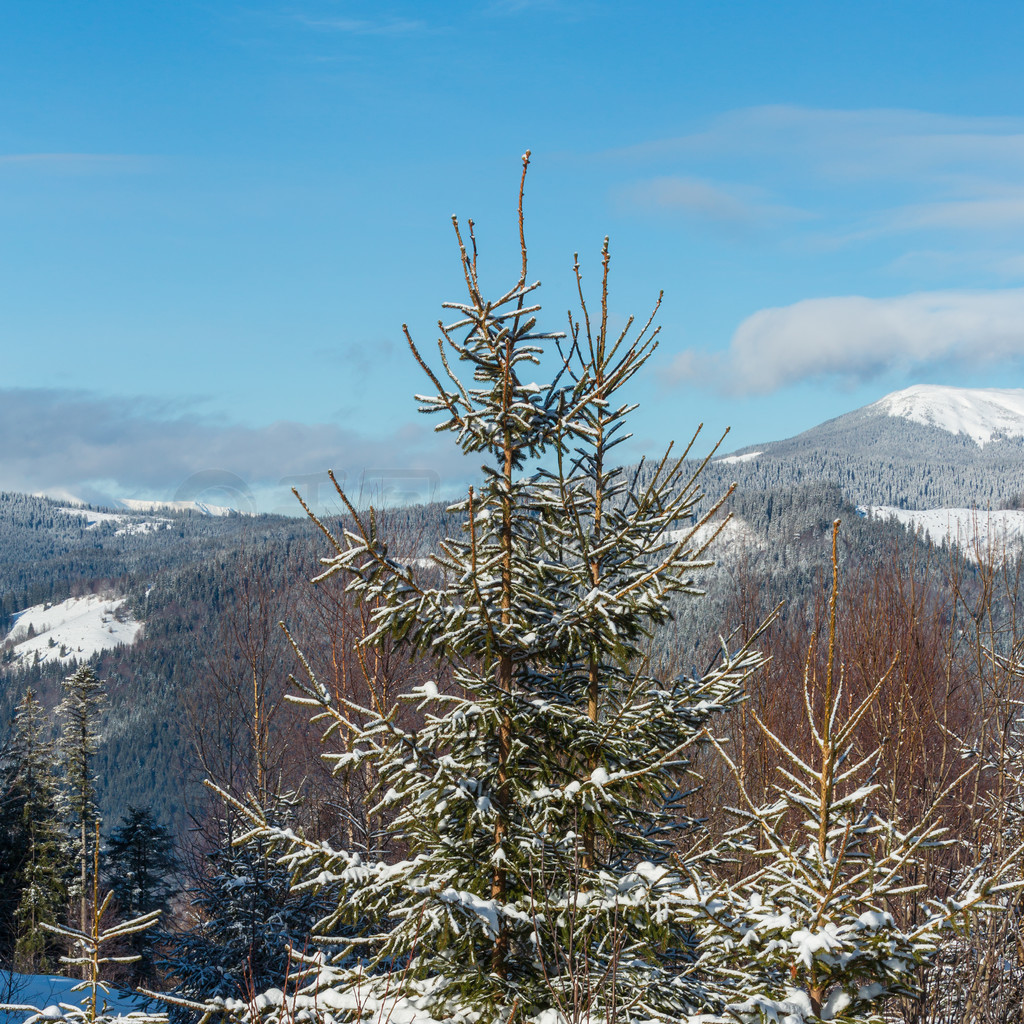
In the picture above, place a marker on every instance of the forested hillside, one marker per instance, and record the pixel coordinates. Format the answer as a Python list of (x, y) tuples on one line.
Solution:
[(885, 460), (192, 585)]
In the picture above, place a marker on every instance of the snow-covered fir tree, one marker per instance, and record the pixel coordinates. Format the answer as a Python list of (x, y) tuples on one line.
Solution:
[(93, 950), (979, 976), (79, 712), (812, 934), (534, 804), (35, 838), (242, 921)]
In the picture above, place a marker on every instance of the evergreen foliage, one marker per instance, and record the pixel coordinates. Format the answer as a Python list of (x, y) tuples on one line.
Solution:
[(79, 711), (980, 974), (91, 950), (35, 872), (538, 798), (141, 870), (809, 935), (244, 919), (95, 947)]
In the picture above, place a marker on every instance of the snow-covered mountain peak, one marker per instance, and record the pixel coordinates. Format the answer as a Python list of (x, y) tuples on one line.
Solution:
[(981, 413), (139, 505)]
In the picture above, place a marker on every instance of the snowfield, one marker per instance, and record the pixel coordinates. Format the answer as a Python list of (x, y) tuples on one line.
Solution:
[(731, 459), (974, 531), (982, 413), (132, 524), (140, 505), (736, 535), (71, 631)]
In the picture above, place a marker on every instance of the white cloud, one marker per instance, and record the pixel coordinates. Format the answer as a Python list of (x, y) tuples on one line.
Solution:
[(81, 444), (864, 173), (873, 143), (857, 338), (735, 205)]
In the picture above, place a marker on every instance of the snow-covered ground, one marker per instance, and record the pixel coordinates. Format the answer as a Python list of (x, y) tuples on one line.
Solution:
[(140, 505), (130, 524), (972, 530), (981, 413), (71, 631), (746, 457), (47, 991), (736, 535)]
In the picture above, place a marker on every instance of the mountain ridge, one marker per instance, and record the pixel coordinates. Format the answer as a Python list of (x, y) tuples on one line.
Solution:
[(928, 446)]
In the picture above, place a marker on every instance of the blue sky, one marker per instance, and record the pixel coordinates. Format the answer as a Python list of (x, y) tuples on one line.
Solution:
[(215, 217)]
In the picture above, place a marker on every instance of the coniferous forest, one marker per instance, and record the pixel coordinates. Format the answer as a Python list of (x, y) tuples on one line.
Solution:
[(592, 743)]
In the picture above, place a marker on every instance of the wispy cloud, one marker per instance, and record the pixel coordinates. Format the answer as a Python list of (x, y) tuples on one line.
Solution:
[(75, 442), (853, 338), (75, 161), (866, 174), (967, 214), (848, 143), (735, 205), (365, 26), (953, 264)]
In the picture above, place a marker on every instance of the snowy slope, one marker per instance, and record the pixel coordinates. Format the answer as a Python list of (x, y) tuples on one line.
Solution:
[(974, 531), (730, 460), (140, 505), (130, 524), (735, 536), (981, 413), (71, 631)]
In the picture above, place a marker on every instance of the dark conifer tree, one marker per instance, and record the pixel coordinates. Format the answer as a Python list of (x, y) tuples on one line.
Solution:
[(35, 840), (12, 854), (245, 919), (141, 869)]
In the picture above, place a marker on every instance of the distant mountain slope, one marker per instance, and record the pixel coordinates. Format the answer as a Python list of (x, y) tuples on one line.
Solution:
[(977, 532), (155, 602), (139, 505), (70, 631), (922, 448), (50, 551)]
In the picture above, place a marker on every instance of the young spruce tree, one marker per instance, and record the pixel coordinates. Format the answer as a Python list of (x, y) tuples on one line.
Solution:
[(812, 933), (535, 805), (243, 918), (79, 711), (35, 834)]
